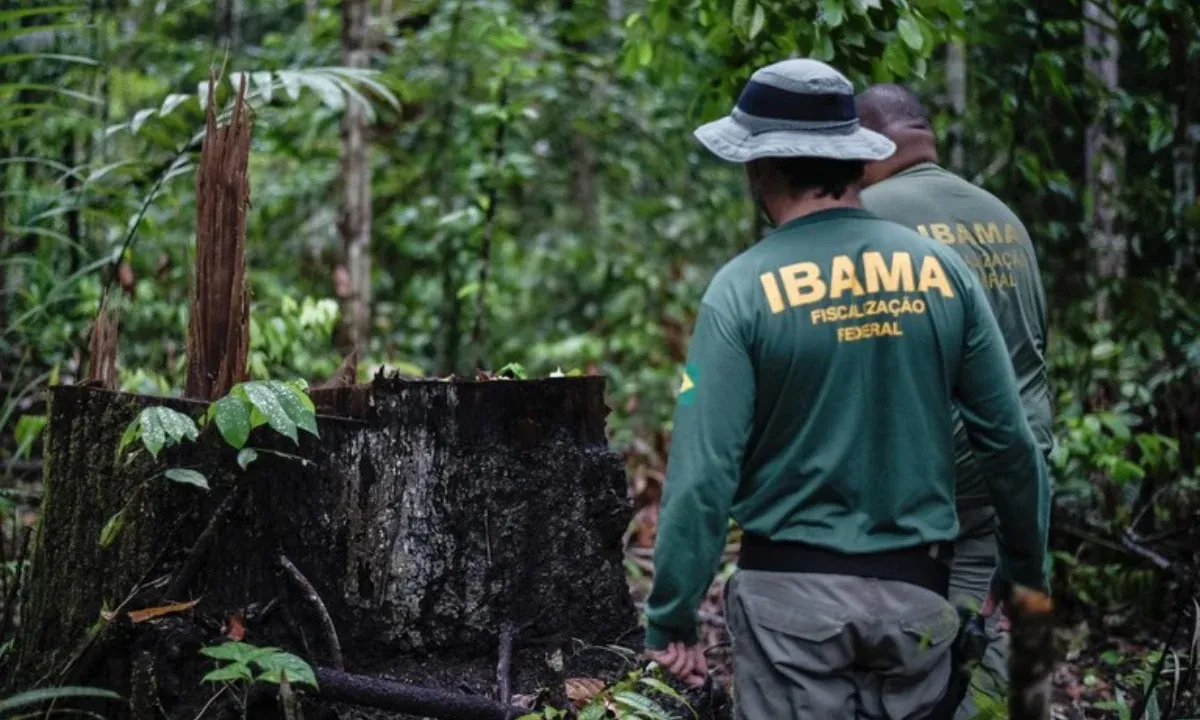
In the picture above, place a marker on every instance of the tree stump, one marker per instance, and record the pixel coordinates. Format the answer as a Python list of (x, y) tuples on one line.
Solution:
[(427, 519)]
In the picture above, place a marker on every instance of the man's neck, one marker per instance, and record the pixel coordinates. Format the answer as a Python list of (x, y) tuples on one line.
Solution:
[(795, 208), (911, 156)]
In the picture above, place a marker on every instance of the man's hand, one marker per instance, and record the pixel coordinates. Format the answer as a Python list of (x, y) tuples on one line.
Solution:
[(685, 662), (990, 606)]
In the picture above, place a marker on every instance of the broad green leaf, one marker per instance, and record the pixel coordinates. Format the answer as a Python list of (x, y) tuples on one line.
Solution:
[(833, 12), (237, 652), (645, 53), (757, 21), (34, 697), (229, 673), (112, 529), (266, 402), (246, 456), (740, 16), (153, 434), (187, 477), (276, 663), (827, 50), (132, 431), (301, 388), (910, 32), (299, 413), (896, 59), (176, 425), (1124, 471), (1116, 426), (233, 419)]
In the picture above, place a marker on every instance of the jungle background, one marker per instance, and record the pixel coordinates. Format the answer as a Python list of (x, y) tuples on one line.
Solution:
[(487, 183)]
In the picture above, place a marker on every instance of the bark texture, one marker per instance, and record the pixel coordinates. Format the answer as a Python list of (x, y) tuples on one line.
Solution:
[(219, 328), (427, 517)]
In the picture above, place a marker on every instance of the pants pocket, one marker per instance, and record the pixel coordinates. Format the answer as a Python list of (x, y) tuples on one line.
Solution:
[(807, 637), (922, 665)]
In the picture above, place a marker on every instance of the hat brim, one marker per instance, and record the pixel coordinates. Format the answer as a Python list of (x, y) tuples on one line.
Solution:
[(732, 142)]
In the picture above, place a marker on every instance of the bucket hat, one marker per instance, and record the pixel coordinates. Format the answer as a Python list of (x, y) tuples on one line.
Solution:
[(794, 108)]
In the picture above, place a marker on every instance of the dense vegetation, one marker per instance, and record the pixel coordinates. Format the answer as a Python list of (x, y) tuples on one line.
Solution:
[(535, 197)]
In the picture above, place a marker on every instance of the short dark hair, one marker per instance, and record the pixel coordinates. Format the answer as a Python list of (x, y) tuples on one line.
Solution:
[(883, 105), (797, 175)]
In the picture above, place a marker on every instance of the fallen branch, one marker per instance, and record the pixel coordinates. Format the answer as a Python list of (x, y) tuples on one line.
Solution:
[(1131, 542), (338, 686), (314, 598)]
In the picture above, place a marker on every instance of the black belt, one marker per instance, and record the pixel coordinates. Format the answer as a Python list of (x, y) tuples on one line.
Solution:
[(926, 566)]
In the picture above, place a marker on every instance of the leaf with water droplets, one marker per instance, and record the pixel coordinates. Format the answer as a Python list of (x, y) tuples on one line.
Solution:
[(233, 420), (153, 434), (176, 425), (266, 402), (292, 403)]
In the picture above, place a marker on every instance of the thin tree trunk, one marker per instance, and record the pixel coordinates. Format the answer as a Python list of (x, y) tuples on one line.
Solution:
[(1186, 131), (1103, 152), (355, 220), (450, 315), (74, 199), (956, 88)]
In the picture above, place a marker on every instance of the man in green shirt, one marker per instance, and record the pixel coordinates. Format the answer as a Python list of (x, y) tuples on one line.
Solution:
[(816, 409), (912, 189)]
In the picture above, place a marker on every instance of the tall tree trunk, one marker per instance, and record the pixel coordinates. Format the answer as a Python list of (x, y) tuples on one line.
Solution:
[(1103, 150), (1186, 133), (354, 224), (956, 88)]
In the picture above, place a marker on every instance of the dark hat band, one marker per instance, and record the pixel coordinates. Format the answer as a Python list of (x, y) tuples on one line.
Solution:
[(768, 101)]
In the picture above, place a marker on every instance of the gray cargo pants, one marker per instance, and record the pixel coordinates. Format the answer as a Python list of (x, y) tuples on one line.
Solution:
[(836, 646), (970, 578)]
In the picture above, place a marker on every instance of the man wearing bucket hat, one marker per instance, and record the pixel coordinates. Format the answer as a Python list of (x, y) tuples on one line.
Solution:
[(912, 189), (816, 409)]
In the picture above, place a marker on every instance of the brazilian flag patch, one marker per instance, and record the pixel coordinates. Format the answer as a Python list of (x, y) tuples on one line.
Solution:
[(687, 386)]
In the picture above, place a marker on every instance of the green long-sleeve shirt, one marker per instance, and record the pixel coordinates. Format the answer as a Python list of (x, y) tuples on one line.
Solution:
[(816, 406), (993, 242)]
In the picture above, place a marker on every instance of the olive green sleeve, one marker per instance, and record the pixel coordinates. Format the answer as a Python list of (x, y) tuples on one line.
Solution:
[(1016, 473), (713, 416)]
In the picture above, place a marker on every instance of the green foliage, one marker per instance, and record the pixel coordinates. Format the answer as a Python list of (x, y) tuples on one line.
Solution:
[(31, 698), (869, 40), (158, 427), (272, 664), (282, 405)]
